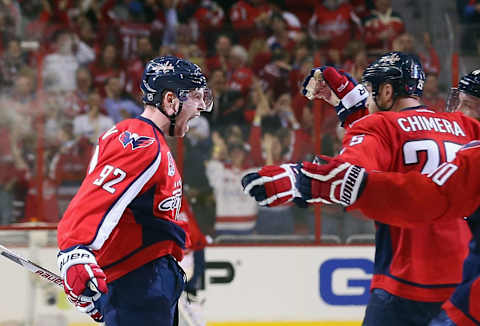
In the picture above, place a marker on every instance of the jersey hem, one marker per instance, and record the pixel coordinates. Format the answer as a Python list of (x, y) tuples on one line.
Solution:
[(410, 292)]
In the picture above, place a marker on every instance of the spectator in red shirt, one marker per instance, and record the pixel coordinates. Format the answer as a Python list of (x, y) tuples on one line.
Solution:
[(209, 18), (280, 38), (239, 74), (219, 59), (332, 26), (247, 17), (382, 27)]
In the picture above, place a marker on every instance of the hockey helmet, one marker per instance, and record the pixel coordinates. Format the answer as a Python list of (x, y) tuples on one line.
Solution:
[(170, 73), (469, 84), (403, 71)]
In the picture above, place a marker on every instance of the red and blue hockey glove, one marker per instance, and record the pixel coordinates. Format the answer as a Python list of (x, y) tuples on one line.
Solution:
[(331, 181), (83, 280), (339, 89), (274, 185)]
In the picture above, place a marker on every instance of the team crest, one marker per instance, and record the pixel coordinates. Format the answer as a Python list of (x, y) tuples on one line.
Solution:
[(391, 59), (135, 140), (161, 67), (171, 165)]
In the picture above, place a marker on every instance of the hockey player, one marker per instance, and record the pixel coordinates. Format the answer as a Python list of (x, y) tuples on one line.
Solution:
[(120, 239), (416, 269), (449, 192)]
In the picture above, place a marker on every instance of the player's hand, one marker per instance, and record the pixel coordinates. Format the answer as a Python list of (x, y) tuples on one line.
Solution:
[(83, 280), (337, 88), (330, 181), (274, 185)]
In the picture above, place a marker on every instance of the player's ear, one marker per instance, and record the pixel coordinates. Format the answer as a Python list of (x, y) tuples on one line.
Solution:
[(170, 102)]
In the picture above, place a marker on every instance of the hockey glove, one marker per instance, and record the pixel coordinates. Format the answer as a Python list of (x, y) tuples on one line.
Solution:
[(339, 89), (331, 181), (274, 185), (83, 280)]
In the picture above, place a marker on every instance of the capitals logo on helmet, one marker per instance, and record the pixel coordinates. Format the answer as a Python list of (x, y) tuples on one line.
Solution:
[(169, 73), (403, 71)]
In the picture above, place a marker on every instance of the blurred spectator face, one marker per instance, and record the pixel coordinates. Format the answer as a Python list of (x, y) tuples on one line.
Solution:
[(223, 46), (14, 50), (184, 34), (144, 48), (84, 80), (331, 4), (361, 59), (237, 154), (301, 53), (470, 105), (283, 102), (430, 88), (115, 86), (64, 44), (94, 101), (109, 55), (307, 118), (404, 43), (168, 3), (234, 135), (278, 25), (238, 56), (24, 86), (86, 30), (217, 80), (382, 5)]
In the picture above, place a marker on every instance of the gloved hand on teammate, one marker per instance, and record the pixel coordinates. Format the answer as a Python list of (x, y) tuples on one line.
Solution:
[(339, 89), (83, 280), (330, 181), (274, 185)]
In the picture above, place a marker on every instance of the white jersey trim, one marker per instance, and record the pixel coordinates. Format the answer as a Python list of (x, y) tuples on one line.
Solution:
[(114, 215)]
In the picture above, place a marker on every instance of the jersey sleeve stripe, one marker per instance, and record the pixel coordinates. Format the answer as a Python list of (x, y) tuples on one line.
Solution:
[(111, 219)]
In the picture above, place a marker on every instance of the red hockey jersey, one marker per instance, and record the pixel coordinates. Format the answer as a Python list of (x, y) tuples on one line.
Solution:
[(452, 191), (126, 208), (421, 263)]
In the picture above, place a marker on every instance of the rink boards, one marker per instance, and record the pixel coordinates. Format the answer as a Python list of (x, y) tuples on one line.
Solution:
[(246, 285)]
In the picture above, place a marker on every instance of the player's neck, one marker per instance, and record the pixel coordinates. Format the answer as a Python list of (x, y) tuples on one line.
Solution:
[(405, 102), (158, 118)]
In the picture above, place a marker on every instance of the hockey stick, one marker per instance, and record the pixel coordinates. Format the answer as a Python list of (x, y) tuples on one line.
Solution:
[(32, 267)]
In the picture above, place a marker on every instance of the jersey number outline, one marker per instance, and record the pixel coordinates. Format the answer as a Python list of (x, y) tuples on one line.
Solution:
[(413, 147), (108, 186)]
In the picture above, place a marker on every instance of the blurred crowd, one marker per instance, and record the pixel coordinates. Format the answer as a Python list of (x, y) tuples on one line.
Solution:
[(71, 69)]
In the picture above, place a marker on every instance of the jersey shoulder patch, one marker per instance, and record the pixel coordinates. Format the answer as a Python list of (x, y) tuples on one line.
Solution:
[(135, 140)]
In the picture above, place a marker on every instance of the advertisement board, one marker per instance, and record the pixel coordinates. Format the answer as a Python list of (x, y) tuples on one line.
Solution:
[(241, 284)]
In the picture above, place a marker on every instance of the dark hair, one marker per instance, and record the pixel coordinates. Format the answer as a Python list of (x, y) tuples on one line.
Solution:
[(270, 124)]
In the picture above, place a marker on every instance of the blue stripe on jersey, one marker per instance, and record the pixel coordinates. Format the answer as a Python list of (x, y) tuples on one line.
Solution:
[(384, 252), (384, 257), (473, 143), (155, 229)]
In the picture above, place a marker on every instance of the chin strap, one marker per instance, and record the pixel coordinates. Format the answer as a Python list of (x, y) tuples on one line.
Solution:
[(172, 117)]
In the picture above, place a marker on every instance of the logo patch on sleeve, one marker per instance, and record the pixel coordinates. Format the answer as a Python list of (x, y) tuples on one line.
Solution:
[(135, 140)]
